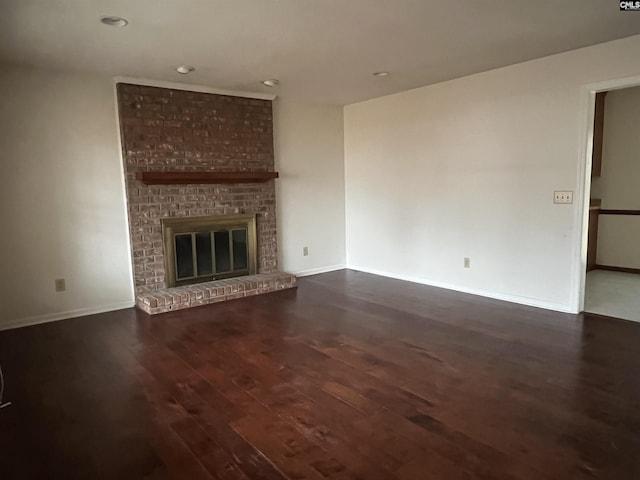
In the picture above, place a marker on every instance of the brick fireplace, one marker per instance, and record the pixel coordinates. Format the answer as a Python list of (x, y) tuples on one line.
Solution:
[(176, 131)]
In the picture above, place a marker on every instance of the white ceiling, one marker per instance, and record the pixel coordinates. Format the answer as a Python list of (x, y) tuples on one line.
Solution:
[(320, 50)]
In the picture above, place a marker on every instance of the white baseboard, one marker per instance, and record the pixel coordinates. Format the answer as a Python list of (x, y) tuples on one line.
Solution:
[(532, 302), (315, 271), (53, 317)]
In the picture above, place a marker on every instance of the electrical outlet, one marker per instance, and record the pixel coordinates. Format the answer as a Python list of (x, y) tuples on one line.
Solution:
[(305, 251), (563, 196), (467, 262), (60, 285)]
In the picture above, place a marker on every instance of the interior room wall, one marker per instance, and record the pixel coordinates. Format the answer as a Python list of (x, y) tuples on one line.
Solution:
[(62, 198), (467, 168), (309, 149), (619, 184)]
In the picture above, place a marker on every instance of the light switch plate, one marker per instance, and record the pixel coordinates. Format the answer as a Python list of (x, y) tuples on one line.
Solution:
[(563, 196)]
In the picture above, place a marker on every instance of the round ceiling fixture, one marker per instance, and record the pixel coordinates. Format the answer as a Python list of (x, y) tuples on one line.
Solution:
[(272, 82), (184, 69), (115, 21), (380, 74)]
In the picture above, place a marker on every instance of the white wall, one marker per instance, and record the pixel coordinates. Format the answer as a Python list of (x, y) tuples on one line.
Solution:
[(467, 168), (309, 148), (619, 185), (62, 198)]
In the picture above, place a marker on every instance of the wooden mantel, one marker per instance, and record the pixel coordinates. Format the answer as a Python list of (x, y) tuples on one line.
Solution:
[(181, 178)]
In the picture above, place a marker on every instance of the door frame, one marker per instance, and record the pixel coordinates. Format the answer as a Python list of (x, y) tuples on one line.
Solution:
[(583, 194)]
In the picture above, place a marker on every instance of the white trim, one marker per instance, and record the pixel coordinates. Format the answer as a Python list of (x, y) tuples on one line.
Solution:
[(315, 271), (532, 302), (81, 312), (587, 109), (193, 88)]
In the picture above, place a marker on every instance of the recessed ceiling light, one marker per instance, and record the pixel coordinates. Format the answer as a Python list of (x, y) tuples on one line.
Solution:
[(380, 74), (271, 82), (114, 21), (184, 69)]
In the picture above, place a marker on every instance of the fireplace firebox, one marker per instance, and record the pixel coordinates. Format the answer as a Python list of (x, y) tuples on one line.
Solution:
[(202, 249)]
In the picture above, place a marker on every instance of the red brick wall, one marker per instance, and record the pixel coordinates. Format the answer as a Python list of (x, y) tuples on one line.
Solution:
[(166, 129)]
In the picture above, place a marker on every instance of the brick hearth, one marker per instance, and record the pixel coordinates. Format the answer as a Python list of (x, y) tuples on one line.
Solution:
[(177, 298)]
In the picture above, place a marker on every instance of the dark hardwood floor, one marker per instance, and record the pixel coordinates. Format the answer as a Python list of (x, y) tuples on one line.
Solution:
[(352, 376)]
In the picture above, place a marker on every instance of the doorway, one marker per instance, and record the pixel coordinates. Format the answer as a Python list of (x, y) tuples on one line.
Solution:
[(612, 276)]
